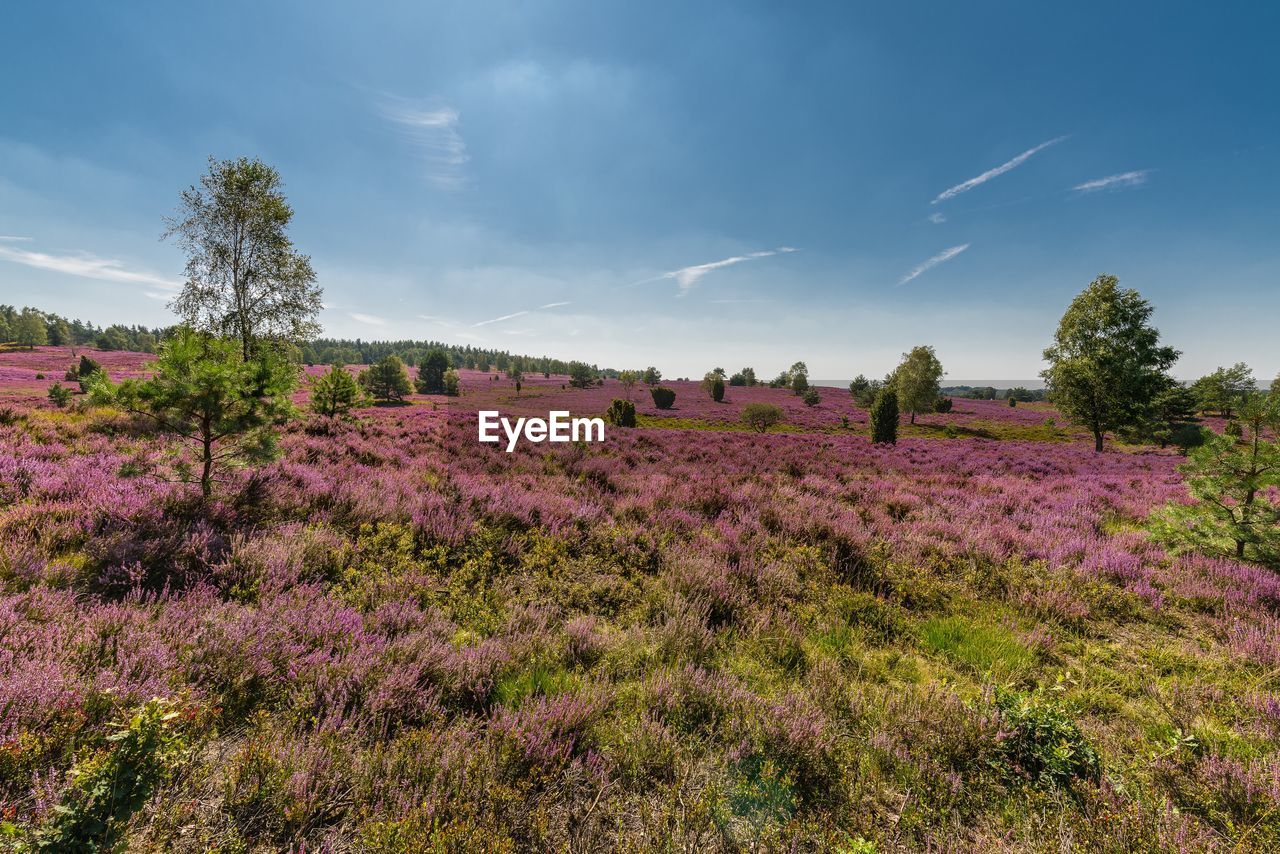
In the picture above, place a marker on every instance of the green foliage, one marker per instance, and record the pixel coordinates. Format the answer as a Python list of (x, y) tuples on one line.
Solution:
[(205, 393), (717, 389), (744, 377), (1106, 365), (884, 418), (108, 788), (1233, 481), (663, 397), (1043, 745), (59, 395), (628, 380), (335, 393), (1223, 389), (798, 378), (244, 279), (942, 404), (761, 416), (812, 397), (621, 413), (652, 376), (453, 386), (387, 380), (916, 380), (30, 330), (1013, 402), (431, 372), (581, 375)]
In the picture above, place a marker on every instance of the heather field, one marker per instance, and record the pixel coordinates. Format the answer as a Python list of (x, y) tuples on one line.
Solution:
[(689, 637)]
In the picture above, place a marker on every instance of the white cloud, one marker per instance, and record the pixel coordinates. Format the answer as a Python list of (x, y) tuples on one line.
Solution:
[(1115, 182), (937, 217), (941, 257), (369, 319), (1007, 166), (554, 305), (434, 131), (12, 237), (87, 266)]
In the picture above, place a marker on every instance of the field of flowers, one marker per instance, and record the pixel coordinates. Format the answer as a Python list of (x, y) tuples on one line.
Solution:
[(687, 637)]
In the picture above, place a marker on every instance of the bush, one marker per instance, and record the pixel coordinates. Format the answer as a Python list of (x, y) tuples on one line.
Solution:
[(943, 405), (40, 376), (336, 393), (386, 380), (87, 366), (663, 397), (1044, 744), (107, 789), (812, 397), (884, 419), (452, 386), (621, 413), (1013, 401), (717, 389), (761, 416), (60, 395)]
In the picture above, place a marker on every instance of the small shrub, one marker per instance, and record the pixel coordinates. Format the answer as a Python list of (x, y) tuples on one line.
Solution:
[(812, 397), (60, 395), (40, 376), (663, 397), (884, 419), (943, 404), (717, 389), (109, 788), (621, 413), (1233, 429), (1044, 745), (761, 416), (1013, 401)]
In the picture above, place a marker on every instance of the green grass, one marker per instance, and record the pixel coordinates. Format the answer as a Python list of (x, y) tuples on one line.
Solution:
[(983, 647)]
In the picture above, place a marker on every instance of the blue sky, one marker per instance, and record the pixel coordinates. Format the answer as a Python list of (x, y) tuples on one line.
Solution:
[(679, 184)]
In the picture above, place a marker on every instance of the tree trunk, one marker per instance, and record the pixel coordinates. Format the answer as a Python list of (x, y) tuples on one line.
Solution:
[(913, 416), (206, 474), (1097, 441)]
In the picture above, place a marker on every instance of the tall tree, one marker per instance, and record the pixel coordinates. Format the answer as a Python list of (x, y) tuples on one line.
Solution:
[(431, 372), (628, 380), (917, 380), (30, 330), (244, 277), (1222, 389), (1106, 365)]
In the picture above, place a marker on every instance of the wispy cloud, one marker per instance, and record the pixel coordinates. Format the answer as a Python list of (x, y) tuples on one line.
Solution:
[(434, 131), (511, 316), (937, 217), (87, 266), (1114, 182), (942, 257), (368, 319), (1007, 166), (14, 238), (687, 277), (736, 301), (516, 314)]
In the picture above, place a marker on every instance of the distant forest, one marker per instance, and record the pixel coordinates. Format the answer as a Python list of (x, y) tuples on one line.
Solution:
[(61, 331)]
